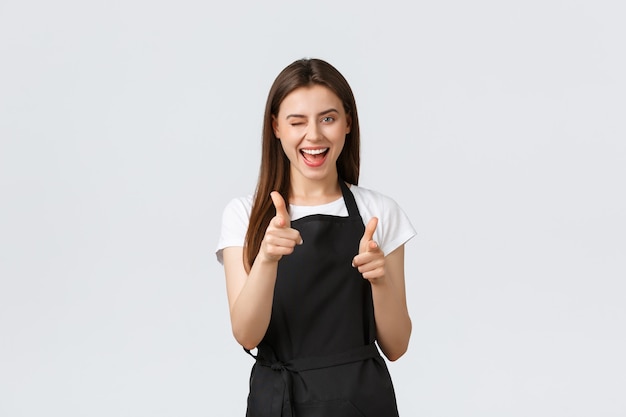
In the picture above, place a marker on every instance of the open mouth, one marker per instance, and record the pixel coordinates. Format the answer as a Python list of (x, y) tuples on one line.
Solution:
[(314, 157)]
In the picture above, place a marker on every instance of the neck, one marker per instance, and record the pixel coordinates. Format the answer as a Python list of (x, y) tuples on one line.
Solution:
[(305, 192)]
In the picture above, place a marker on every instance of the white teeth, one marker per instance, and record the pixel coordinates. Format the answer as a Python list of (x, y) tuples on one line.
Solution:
[(314, 151)]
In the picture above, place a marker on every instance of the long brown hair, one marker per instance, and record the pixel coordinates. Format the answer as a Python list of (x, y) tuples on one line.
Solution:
[(274, 171)]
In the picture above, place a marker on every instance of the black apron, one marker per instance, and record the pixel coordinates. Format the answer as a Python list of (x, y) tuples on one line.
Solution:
[(318, 357)]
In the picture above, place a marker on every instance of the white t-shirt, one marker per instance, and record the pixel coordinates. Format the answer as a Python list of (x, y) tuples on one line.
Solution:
[(394, 227)]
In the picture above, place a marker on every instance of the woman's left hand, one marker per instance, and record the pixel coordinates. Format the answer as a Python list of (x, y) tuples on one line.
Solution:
[(371, 260)]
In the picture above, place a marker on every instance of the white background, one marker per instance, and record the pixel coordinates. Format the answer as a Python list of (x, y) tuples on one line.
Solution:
[(126, 126)]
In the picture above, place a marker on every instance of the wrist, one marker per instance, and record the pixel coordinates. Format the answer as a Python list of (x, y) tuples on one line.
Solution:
[(268, 260), (378, 282)]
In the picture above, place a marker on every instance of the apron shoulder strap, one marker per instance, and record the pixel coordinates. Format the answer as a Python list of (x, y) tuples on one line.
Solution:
[(348, 198)]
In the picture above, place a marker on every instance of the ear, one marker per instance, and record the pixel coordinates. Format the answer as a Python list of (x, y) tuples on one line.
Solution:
[(348, 123), (275, 127)]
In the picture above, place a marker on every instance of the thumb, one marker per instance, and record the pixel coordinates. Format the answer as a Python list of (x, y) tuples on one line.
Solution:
[(281, 208), (368, 235)]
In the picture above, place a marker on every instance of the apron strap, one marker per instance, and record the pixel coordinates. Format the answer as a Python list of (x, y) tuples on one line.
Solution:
[(358, 354), (348, 198)]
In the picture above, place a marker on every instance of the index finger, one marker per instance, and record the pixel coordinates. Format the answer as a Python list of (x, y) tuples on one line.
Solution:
[(281, 207), (370, 229)]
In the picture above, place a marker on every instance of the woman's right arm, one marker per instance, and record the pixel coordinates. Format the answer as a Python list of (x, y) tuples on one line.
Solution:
[(250, 295)]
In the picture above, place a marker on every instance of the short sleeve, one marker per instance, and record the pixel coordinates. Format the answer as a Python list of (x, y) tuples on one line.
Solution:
[(394, 227), (235, 219)]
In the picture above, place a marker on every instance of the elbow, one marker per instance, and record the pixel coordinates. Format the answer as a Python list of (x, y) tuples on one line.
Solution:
[(394, 352), (247, 333), (245, 340), (247, 344), (397, 354), (399, 347)]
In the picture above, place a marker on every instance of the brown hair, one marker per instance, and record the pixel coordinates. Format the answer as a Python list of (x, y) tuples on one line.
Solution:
[(274, 170)]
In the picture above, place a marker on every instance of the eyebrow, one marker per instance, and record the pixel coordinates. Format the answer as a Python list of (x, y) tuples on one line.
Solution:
[(332, 110)]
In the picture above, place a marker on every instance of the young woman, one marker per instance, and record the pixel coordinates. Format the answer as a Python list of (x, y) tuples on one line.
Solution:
[(314, 264)]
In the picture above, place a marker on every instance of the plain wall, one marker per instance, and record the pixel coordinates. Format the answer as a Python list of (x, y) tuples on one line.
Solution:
[(126, 126)]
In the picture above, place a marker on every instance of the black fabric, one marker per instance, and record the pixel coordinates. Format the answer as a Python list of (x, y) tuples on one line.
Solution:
[(318, 357)]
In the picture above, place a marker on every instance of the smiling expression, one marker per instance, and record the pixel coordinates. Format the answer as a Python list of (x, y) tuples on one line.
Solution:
[(312, 126)]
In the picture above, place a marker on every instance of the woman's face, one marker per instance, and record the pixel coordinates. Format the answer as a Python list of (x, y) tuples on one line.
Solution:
[(312, 126)]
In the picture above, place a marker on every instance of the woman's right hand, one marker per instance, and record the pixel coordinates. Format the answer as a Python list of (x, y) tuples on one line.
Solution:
[(280, 239)]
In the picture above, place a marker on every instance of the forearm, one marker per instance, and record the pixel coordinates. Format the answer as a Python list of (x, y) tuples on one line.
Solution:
[(251, 312), (393, 324)]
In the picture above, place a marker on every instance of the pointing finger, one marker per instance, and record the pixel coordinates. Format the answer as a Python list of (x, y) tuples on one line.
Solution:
[(368, 235), (281, 208)]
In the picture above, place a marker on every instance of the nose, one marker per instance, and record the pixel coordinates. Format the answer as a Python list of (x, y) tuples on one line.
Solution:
[(313, 132)]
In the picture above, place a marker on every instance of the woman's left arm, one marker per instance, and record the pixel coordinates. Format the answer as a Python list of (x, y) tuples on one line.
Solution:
[(386, 275)]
